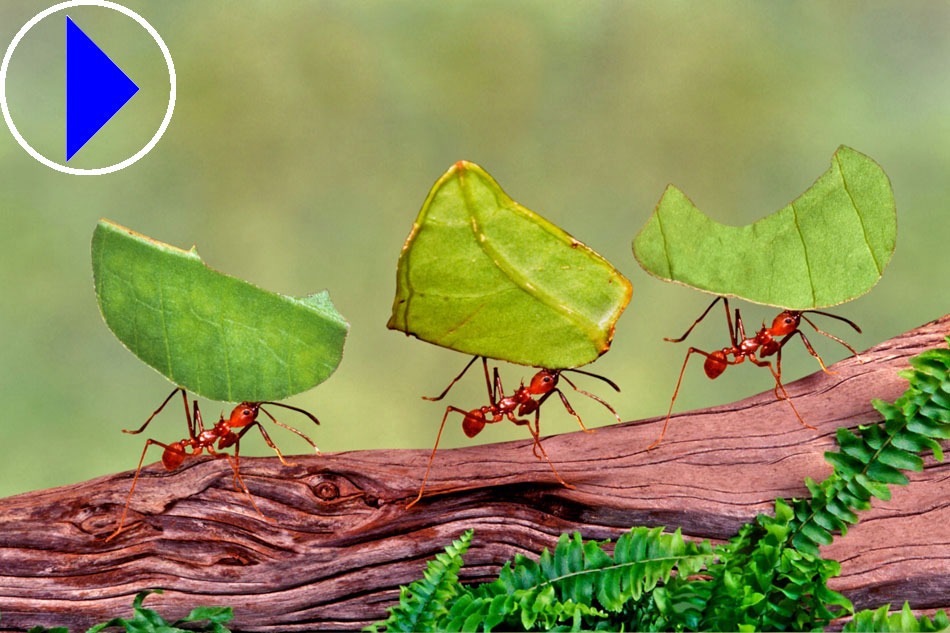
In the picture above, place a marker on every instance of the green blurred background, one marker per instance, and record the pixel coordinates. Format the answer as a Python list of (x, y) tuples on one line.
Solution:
[(307, 134)]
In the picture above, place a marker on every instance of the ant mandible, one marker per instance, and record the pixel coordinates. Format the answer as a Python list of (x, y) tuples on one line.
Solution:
[(520, 403), (761, 345), (204, 439)]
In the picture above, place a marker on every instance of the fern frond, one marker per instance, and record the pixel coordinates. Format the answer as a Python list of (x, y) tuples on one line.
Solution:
[(872, 459), (579, 580), (879, 620), (423, 602)]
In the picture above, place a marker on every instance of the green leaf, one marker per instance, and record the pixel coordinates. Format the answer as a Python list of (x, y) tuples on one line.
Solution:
[(483, 275), (215, 335), (828, 246)]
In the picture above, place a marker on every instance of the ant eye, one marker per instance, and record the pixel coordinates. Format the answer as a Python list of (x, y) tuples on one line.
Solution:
[(788, 320), (247, 412), (547, 379)]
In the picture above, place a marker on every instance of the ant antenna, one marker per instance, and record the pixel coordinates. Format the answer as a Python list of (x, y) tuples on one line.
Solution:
[(834, 316), (287, 406), (598, 376), (290, 428), (832, 336), (592, 397)]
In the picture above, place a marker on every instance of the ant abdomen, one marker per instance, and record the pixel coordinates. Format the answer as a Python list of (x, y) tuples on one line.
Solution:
[(715, 364), (472, 425), (173, 456)]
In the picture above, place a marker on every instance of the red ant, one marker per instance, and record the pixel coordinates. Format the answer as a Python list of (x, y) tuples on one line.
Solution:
[(520, 403), (200, 439), (765, 343)]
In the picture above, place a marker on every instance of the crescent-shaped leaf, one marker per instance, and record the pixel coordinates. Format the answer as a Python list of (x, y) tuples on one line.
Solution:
[(828, 246), (482, 275), (220, 337)]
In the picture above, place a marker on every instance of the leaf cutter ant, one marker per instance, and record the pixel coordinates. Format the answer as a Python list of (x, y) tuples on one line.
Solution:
[(216, 438), (521, 402), (768, 341)]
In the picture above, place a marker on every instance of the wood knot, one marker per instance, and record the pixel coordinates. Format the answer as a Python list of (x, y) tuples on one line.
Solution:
[(327, 491)]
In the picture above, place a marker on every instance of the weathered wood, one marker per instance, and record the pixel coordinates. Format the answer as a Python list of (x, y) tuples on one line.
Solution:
[(342, 542)]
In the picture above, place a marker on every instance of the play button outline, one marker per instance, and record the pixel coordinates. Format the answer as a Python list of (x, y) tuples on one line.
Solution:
[(96, 88), (99, 171)]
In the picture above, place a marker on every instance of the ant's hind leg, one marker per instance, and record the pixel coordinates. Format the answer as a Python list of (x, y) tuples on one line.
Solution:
[(135, 480), (184, 396), (425, 477), (676, 393), (696, 322), (457, 378)]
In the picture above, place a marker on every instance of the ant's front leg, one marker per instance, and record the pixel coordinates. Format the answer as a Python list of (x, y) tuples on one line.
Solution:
[(778, 382), (811, 350), (589, 395), (536, 436), (266, 439), (235, 467)]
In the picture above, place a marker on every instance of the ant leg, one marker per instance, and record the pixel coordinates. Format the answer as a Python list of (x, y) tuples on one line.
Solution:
[(457, 378), (268, 440), (740, 330), (832, 336), (589, 395), (676, 392), (811, 350), (696, 322), (289, 428), (536, 435), (425, 478), (135, 480), (778, 364), (237, 476), (499, 390), (778, 382), (184, 396), (570, 409)]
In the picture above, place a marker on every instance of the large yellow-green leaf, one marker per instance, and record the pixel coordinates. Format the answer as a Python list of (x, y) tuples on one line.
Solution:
[(481, 274), (828, 246), (218, 336)]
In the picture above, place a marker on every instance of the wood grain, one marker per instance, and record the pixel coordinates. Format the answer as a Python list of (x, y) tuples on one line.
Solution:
[(342, 542)]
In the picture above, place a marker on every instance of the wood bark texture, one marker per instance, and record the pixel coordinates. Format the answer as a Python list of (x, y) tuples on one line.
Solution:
[(342, 541)]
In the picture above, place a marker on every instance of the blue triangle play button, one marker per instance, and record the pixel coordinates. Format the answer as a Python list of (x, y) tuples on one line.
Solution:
[(95, 88)]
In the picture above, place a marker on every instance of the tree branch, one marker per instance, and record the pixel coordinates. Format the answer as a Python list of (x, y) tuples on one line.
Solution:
[(342, 542)]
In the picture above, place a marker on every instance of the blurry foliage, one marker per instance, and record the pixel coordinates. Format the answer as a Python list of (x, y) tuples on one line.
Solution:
[(306, 132)]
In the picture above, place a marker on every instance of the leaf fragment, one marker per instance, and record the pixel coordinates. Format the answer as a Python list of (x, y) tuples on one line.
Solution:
[(217, 336), (483, 275), (828, 246)]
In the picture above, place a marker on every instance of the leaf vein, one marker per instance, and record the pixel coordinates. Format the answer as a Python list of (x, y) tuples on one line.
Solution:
[(811, 282), (864, 229)]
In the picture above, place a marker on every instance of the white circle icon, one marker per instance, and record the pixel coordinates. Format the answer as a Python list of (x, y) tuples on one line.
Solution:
[(75, 170)]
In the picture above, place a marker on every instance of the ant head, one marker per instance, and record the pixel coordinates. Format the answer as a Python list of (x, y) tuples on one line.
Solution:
[(244, 414), (543, 382), (786, 323)]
